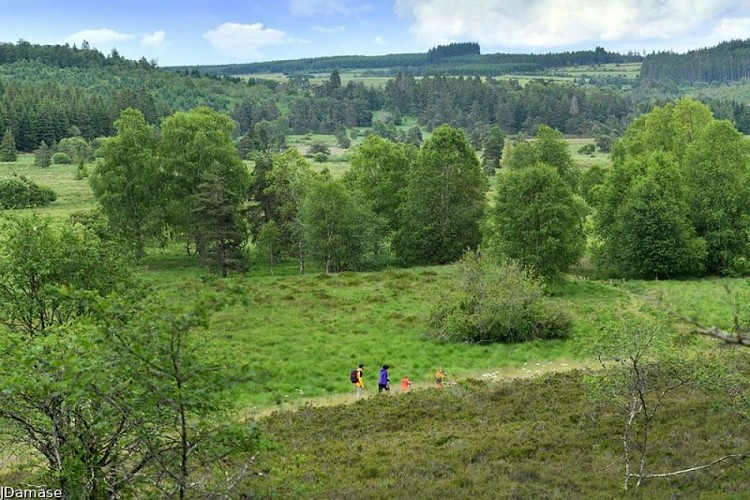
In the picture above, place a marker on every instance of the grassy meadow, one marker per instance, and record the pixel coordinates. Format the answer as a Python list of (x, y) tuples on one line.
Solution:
[(499, 429), (298, 336)]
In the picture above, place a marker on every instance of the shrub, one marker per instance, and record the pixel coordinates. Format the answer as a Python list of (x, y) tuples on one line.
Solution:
[(20, 192), (587, 149), (320, 157), (14, 193), (493, 302), (60, 159), (318, 147)]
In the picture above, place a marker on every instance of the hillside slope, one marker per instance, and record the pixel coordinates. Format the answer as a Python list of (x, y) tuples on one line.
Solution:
[(539, 438)]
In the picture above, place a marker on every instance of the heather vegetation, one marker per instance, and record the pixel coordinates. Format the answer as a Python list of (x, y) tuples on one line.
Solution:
[(216, 249)]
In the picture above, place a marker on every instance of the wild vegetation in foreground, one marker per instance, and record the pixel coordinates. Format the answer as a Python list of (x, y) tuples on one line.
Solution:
[(539, 438)]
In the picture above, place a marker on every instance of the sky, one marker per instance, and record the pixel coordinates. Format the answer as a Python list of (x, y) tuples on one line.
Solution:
[(199, 32)]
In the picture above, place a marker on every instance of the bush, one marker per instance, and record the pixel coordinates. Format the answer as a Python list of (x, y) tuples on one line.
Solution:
[(14, 193), (496, 303), (320, 157), (587, 149), (20, 192), (60, 159), (318, 147)]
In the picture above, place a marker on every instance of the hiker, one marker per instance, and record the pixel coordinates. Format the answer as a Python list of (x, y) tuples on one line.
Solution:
[(405, 384), (439, 376), (356, 378), (383, 382)]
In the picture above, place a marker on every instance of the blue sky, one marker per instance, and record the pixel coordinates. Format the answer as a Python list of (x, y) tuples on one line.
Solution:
[(233, 31)]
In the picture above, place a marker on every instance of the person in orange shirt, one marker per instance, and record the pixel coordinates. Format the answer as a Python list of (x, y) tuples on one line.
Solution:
[(405, 384), (439, 376)]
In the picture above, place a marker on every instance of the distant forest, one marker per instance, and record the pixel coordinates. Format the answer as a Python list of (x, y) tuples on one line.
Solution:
[(454, 59), (48, 93), (726, 62)]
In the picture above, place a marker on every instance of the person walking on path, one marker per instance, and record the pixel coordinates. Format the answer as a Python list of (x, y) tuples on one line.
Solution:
[(383, 382), (405, 384), (357, 380), (439, 376)]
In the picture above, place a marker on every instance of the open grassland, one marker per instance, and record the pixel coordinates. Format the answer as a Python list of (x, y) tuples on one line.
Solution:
[(294, 338), (72, 194), (730, 91), (584, 160), (298, 336)]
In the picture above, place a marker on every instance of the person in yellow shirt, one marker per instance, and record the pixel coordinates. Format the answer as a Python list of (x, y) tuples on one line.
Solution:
[(439, 376), (357, 380)]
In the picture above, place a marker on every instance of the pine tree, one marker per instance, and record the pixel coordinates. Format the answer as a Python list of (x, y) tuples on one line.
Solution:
[(43, 156), (8, 147)]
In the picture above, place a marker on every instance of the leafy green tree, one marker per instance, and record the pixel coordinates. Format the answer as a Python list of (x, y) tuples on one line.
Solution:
[(189, 435), (286, 185), (318, 147), (668, 129), (379, 169), (590, 183), (603, 143), (40, 265), (61, 159), (519, 154), (340, 231), (656, 239), (549, 148), (717, 174), (76, 148), (193, 144), (443, 202), (49, 281), (43, 156), (492, 302), (8, 146), (342, 138), (414, 136), (128, 184), (492, 144), (111, 392), (269, 244), (710, 160), (539, 221)]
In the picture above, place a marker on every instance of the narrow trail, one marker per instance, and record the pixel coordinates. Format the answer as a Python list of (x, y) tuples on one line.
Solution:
[(525, 371)]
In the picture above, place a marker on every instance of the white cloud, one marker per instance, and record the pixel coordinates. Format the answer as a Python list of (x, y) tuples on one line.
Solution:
[(732, 29), (379, 40), (327, 7), (539, 24), (324, 29), (154, 39), (97, 37), (246, 39)]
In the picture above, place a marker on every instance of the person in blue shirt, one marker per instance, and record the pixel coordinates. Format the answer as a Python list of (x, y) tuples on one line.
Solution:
[(383, 382)]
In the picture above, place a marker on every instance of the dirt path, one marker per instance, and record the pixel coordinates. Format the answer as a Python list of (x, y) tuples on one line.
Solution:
[(527, 370)]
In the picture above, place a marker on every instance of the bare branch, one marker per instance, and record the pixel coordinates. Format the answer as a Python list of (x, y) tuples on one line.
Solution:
[(736, 456), (739, 337)]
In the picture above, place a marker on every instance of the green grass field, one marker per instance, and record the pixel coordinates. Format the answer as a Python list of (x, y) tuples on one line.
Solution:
[(297, 337), (300, 335)]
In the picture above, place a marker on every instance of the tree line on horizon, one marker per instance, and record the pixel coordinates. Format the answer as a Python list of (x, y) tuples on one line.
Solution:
[(45, 101)]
